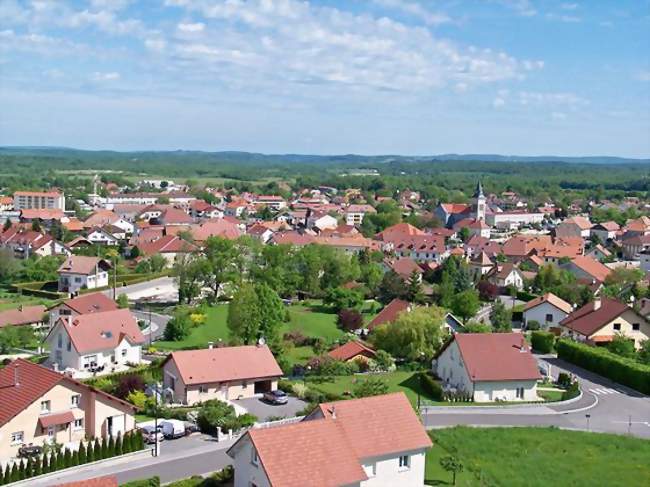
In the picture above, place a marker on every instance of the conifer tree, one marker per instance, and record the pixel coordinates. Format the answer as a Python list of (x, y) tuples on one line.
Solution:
[(83, 453)]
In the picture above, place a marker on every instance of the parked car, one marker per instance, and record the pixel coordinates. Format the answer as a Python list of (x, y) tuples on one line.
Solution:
[(191, 428), (276, 397), (173, 428), (149, 434), (30, 450)]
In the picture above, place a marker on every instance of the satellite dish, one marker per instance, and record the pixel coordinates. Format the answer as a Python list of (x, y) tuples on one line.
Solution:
[(261, 342)]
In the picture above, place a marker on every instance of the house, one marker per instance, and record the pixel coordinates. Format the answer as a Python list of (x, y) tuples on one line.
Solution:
[(547, 310), (480, 265), (24, 315), (102, 237), (390, 312), (352, 350), (80, 272), (367, 442), (577, 226), (405, 267), (480, 228), (605, 231), (51, 200), (224, 373), (453, 324), (599, 321), (102, 218), (489, 366), (322, 221), (354, 214), (203, 209), (584, 267), (235, 208), (40, 405), (25, 243), (599, 253), (633, 245), (274, 202), (506, 275), (81, 305), (260, 232), (104, 340), (169, 246)]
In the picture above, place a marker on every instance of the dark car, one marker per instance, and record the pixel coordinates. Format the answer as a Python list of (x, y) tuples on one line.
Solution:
[(29, 451), (276, 397)]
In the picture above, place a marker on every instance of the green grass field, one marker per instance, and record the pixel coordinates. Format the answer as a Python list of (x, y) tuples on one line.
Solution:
[(9, 300), (538, 457), (311, 320)]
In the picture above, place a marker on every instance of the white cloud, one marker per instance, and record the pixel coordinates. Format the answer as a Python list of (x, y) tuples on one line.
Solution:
[(558, 116), (569, 100), (564, 18), (197, 27), (104, 20), (498, 102), (525, 8), (155, 44), (416, 10), (110, 4), (569, 6), (111, 76), (643, 75)]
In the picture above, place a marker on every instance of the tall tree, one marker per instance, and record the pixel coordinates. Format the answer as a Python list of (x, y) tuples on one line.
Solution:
[(466, 304), (392, 286), (501, 317), (221, 256)]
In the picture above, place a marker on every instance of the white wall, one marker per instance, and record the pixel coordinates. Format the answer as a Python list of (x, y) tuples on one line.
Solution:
[(389, 474), (538, 313), (245, 471), (61, 355), (451, 369), (505, 390)]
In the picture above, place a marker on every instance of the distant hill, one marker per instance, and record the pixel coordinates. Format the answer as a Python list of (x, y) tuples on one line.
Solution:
[(252, 157)]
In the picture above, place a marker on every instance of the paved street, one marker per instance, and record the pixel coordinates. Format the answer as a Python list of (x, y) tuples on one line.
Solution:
[(158, 321), (264, 410), (612, 408), (163, 289)]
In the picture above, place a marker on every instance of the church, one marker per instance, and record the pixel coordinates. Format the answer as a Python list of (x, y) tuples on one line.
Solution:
[(452, 213)]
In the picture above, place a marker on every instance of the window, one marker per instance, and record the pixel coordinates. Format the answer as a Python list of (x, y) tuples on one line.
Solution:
[(549, 318), (371, 470), (520, 392), (617, 326), (17, 437), (124, 352), (202, 390), (74, 400), (254, 458), (77, 279), (78, 424), (636, 326), (244, 385), (59, 341), (404, 462), (45, 407), (69, 345)]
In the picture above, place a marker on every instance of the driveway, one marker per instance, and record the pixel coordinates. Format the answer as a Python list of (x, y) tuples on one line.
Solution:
[(611, 408), (264, 410), (162, 289)]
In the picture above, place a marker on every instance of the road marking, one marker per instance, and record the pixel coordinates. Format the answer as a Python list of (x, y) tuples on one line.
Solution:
[(604, 391)]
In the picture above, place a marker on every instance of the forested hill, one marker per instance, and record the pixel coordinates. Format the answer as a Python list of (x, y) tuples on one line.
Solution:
[(256, 158)]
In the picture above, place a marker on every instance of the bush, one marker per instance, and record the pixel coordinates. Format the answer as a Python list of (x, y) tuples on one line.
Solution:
[(533, 325), (151, 482), (215, 414), (601, 361), (373, 386), (137, 398), (430, 386), (349, 319), (542, 341), (299, 390), (297, 338), (563, 379), (127, 384), (572, 391)]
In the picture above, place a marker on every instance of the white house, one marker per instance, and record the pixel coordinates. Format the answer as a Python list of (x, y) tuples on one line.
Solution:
[(80, 272), (375, 441), (354, 214), (489, 366), (102, 237), (547, 310), (81, 305), (504, 275), (106, 340)]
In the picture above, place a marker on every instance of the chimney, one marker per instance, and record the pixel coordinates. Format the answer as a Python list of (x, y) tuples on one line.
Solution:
[(55, 367), (17, 375), (69, 320), (522, 348), (597, 303), (333, 412), (210, 345)]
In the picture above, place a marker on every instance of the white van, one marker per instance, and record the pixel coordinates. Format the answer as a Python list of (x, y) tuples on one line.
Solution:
[(173, 428)]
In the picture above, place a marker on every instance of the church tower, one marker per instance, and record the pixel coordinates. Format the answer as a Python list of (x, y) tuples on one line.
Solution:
[(478, 202)]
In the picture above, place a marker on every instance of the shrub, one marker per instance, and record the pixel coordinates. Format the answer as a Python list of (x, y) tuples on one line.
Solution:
[(430, 386), (137, 398), (67, 458), (533, 325), (542, 341), (299, 390), (297, 338), (563, 379), (373, 386), (83, 453), (572, 391), (127, 384), (384, 360), (601, 361), (214, 414), (349, 319)]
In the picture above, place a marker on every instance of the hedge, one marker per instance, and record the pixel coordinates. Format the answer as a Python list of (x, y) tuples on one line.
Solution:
[(35, 288), (599, 360), (542, 341), (430, 386), (89, 452)]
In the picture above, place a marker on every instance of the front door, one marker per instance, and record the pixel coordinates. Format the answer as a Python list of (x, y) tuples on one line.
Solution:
[(109, 425)]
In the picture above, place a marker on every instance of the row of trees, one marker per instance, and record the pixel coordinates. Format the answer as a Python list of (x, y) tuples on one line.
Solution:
[(58, 459)]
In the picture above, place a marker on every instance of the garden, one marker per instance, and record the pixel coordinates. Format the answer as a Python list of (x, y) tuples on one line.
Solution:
[(535, 457)]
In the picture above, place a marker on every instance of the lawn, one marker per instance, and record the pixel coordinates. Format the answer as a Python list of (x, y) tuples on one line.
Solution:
[(404, 381), (9, 300), (538, 457), (310, 319)]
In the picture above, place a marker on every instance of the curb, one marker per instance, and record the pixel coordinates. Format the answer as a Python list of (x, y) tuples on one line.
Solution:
[(80, 468)]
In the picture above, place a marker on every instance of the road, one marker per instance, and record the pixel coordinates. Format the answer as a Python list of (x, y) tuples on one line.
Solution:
[(158, 321), (162, 289), (612, 408)]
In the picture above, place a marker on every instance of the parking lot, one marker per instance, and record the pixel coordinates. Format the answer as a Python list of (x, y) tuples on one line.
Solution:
[(264, 410)]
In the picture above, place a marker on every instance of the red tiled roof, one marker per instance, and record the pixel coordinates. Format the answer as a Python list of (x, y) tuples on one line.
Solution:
[(552, 299), (80, 264), (42, 213), (360, 209), (166, 244), (404, 266), (350, 350), (101, 217), (225, 364), (53, 193), (592, 267), (24, 315), (454, 208), (496, 356), (221, 227), (398, 232), (91, 303), (108, 481), (521, 245), (102, 331), (65, 417), (293, 238), (389, 313), (587, 320)]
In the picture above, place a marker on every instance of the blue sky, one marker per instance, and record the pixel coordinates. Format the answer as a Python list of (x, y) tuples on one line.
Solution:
[(525, 77)]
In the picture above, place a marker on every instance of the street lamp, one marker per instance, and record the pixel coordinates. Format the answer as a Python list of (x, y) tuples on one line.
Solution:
[(155, 419), (588, 416), (420, 381)]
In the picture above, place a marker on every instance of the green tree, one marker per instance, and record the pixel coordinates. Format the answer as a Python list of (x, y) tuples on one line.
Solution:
[(452, 465), (119, 446), (178, 328), (413, 335), (223, 264), (392, 286), (371, 276), (340, 298), (466, 304), (414, 291), (373, 386), (83, 453), (67, 458), (188, 272), (122, 301), (384, 360), (15, 476), (644, 352), (501, 317), (36, 225), (10, 267), (111, 446)]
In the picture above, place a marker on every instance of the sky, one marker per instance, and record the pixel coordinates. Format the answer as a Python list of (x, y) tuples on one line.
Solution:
[(525, 77)]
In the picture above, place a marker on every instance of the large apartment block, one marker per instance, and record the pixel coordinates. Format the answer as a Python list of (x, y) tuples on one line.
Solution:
[(25, 200)]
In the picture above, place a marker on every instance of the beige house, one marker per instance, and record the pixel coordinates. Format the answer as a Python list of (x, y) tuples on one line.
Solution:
[(226, 373), (38, 405), (601, 320)]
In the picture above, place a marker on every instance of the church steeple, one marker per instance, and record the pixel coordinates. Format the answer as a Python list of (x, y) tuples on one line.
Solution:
[(479, 203), (479, 190)]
